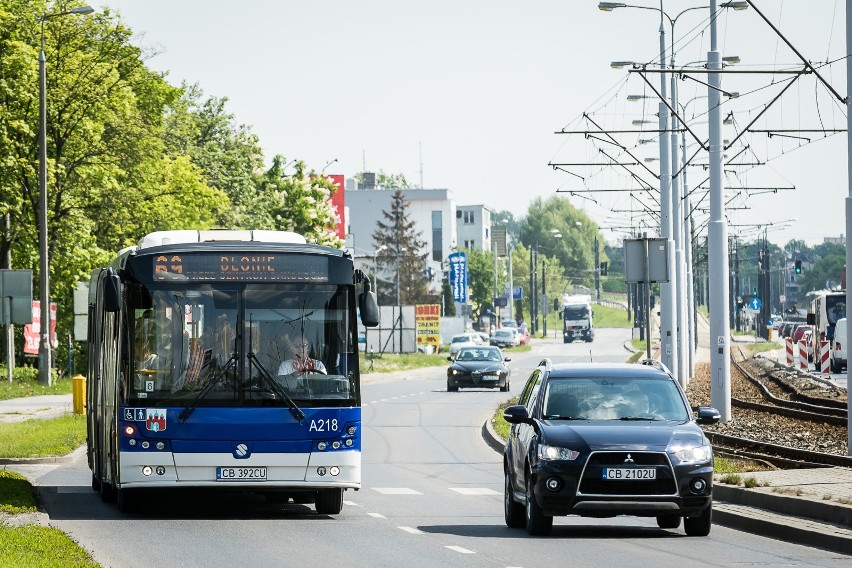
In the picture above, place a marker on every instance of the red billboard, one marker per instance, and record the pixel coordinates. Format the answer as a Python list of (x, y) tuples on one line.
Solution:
[(32, 331), (338, 203)]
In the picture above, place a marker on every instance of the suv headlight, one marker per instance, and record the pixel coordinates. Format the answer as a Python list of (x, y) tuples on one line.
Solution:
[(694, 454), (550, 453)]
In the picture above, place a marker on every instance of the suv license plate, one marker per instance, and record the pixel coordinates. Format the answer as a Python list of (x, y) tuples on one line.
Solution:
[(629, 473), (240, 474)]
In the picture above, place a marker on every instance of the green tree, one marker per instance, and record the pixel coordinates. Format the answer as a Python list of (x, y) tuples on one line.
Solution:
[(296, 202), (400, 264), (228, 154), (574, 248)]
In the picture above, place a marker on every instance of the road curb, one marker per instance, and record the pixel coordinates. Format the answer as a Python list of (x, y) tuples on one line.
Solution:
[(46, 460), (491, 438), (823, 511)]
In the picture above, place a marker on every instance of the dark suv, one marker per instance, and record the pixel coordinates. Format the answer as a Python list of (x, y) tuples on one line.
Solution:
[(600, 440)]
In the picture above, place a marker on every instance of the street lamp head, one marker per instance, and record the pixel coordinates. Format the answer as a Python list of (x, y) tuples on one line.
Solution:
[(610, 6), (734, 5), (634, 98), (731, 59), (622, 64), (641, 122), (81, 10)]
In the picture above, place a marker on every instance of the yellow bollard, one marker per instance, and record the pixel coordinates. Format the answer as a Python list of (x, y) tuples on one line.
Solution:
[(78, 390)]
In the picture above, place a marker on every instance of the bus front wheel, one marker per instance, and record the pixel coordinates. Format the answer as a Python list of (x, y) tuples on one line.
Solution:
[(329, 501)]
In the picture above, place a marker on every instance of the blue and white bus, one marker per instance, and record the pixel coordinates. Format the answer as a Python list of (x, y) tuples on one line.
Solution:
[(227, 360)]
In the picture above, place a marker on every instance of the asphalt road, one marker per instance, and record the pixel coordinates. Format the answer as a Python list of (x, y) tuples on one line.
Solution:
[(431, 496)]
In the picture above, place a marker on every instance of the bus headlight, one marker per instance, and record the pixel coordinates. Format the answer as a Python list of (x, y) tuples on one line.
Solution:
[(146, 471)]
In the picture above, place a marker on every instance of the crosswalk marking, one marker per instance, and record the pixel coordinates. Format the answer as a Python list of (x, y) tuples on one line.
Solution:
[(474, 491), (396, 491)]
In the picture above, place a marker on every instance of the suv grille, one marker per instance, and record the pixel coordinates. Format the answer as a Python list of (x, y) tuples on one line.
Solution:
[(593, 483)]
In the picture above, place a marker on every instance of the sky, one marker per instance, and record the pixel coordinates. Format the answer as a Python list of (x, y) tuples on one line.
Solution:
[(468, 94)]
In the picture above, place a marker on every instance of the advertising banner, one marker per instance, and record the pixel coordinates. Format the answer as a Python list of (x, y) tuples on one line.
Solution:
[(458, 276), (428, 322), (32, 331)]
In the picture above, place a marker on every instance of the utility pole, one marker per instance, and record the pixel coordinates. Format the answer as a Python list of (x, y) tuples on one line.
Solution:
[(597, 271), (668, 300), (717, 229), (544, 309)]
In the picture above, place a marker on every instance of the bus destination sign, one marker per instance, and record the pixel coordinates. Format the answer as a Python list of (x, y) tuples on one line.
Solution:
[(257, 267)]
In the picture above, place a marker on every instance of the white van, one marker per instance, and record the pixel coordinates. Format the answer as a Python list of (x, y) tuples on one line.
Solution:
[(837, 357)]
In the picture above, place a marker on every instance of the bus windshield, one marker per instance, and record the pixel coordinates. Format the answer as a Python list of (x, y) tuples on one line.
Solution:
[(225, 344), (576, 312)]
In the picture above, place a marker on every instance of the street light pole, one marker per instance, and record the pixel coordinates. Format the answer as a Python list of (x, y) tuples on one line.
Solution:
[(717, 229), (44, 351)]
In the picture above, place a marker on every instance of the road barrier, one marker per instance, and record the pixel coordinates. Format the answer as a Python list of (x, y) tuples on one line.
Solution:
[(791, 355), (803, 355), (824, 360)]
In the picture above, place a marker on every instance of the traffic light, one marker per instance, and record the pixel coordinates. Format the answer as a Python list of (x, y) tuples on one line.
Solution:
[(798, 267), (604, 267)]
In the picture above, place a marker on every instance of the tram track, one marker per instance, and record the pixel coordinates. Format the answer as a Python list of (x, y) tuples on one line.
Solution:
[(779, 425)]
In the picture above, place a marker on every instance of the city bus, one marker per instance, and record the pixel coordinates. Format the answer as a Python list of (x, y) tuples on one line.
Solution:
[(226, 360)]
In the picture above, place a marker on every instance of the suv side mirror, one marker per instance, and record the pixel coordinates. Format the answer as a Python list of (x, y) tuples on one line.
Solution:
[(516, 414), (708, 415)]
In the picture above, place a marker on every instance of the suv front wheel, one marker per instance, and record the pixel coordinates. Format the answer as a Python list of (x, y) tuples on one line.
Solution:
[(537, 522), (512, 510), (700, 525)]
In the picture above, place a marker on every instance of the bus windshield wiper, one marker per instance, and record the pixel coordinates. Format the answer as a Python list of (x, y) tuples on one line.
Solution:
[(206, 387), (275, 387)]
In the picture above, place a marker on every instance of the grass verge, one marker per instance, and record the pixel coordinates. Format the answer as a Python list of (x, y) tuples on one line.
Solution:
[(762, 346), (42, 438), (25, 383), (390, 362), (16, 493), (33, 546), (606, 316)]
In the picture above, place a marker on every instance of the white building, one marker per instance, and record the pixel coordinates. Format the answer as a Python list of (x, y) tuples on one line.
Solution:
[(473, 223)]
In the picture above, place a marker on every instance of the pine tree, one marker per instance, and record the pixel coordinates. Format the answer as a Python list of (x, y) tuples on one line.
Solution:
[(402, 263)]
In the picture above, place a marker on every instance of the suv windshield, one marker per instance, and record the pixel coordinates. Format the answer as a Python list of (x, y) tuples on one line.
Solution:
[(232, 341), (616, 398)]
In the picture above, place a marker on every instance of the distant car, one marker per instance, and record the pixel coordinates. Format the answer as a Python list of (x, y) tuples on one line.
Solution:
[(503, 337), (463, 340), (478, 367), (607, 439), (837, 355), (524, 335), (800, 332)]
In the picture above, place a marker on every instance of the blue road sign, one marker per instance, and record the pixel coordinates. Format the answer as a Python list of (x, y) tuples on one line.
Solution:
[(754, 304), (517, 293)]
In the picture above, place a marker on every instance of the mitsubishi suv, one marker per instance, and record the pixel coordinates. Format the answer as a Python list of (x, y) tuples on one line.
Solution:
[(600, 440)]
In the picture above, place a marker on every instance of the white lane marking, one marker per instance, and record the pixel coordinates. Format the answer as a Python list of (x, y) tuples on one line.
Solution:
[(351, 503), (460, 549), (411, 530), (475, 491), (396, 491), (377, 515), (373, 402), (383, 400)]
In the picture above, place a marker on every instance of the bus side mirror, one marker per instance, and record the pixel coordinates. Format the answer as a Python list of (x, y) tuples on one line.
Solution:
[(369, 307), (112, 294), (811, 319)]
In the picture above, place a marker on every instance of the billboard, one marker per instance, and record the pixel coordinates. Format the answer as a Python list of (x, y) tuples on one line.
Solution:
[(33, 330), (338, 204), (428, 323)]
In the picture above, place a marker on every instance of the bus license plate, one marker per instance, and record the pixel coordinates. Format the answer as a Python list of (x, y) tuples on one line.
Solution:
[(629, 473), (240, 474)]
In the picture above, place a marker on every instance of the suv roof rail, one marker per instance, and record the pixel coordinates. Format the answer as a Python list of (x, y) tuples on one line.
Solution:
[(546, 363), (656, 363)]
